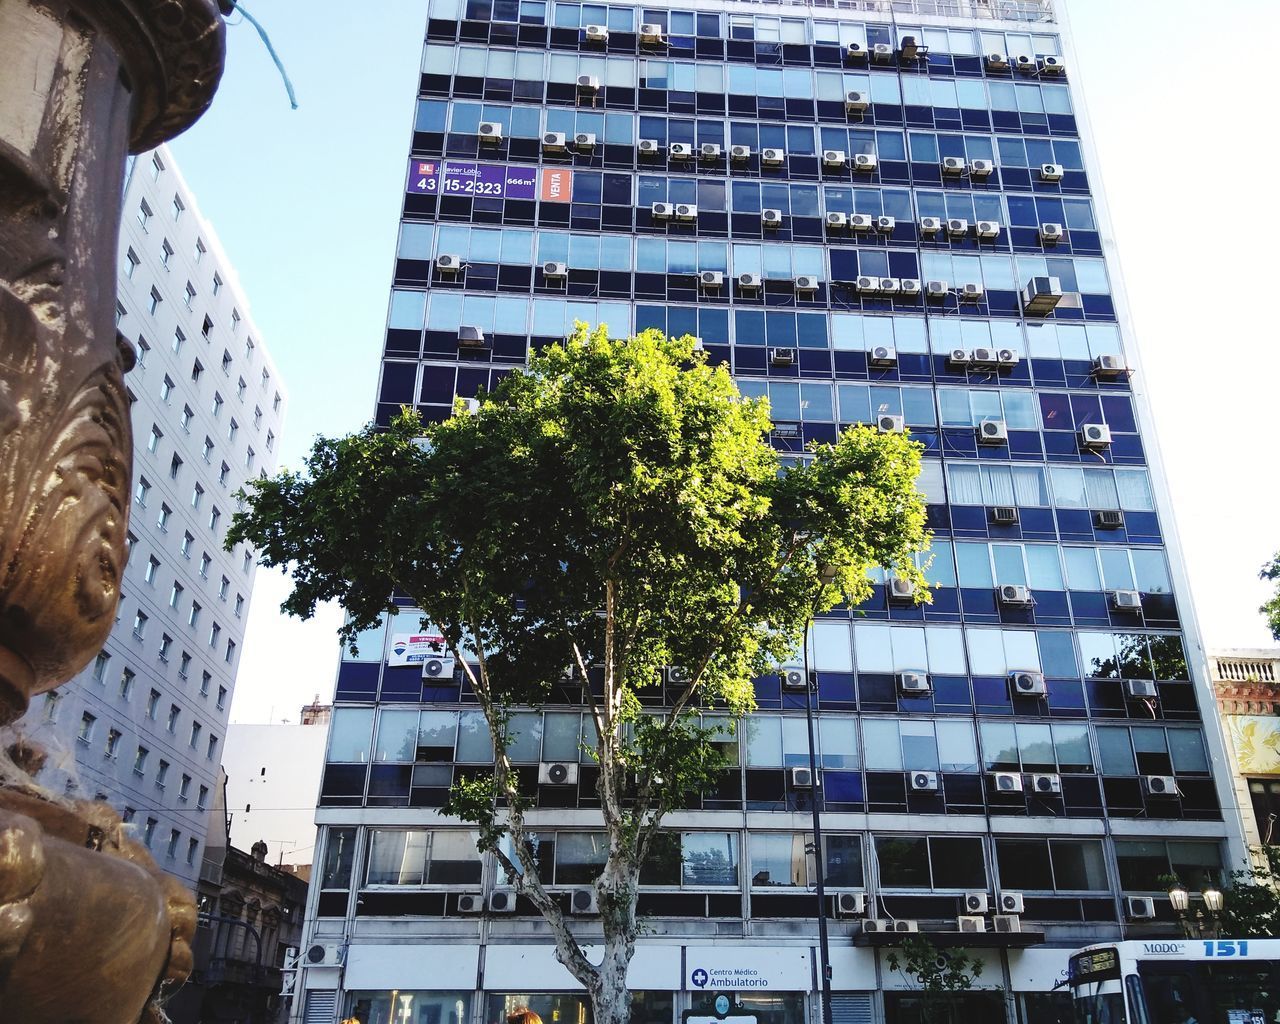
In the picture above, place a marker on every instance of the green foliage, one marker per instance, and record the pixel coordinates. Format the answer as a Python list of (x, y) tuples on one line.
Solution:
[(1250, 900), (939, 974), (1271, 573)]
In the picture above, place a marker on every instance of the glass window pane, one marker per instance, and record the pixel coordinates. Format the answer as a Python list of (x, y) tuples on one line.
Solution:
[(764, 741), (709, 859), (883, 749), (1115, 750), (778, 859), (843, 866), (1078, 865), (903, 861), (349, 733)]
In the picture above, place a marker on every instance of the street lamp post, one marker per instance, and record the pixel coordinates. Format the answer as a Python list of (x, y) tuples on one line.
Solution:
[(1197, 923)]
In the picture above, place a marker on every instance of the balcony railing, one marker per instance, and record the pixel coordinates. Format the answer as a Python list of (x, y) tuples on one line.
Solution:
[(1246, 670), (1040, 11)]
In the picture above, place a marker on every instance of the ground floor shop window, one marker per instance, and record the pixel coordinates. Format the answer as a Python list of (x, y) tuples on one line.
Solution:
[(410, 1007), (771, 1008), (573, 1008), (961, 1008), (1046, 1008)]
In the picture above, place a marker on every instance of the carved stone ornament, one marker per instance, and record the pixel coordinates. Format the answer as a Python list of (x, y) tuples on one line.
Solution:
[(90, 929)]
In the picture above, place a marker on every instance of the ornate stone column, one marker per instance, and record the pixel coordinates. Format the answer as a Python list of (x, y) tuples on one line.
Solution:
[(90, 929)]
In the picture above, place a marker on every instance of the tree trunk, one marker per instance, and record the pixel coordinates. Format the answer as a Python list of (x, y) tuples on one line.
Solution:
[(610, 998)]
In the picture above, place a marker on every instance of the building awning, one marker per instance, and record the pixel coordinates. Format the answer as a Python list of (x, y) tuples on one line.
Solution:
[(953, 939)]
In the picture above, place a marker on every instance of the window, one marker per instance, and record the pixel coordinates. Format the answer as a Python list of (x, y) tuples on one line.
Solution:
[(121, 312), (222, 698), (779, 859), (86, 727), (166, 388), (153, 302), (206, 449), (241, 387), (1145, 864), (153, 441), (197, 371), (200, 250), (230, 656), (126, 684), (931, 862), (141, 491), (187, 541), (266, 379), (215, 631), (184, 788), (194, 615), (162, 773), (214, 516), (197, 495), (212, 750), (271, 440), (166, 644), (239, 609), (223, 473), (217, 284), (217, 405), (149, 574), (113, 743), (223, 587), (226, 362), (206, 328), (275, 402), (144, 214), (131, 262), (174, 713), (129, 814), (232, 428), (175, 594), (196, 730), (187, 416), (246, 563), (248, 345), (143, 351), (177, 207), (184, 665), (140, 760), (205, 561), (249, 456), (139, 624), (1055, 865), (203, 798), (171, 850), (166, 253), (205, 679), (149, 832), (157, 166), (153, 704), (162, 522), (190, 295), (192, 846), (51, 705), (414, 857), (100, 666), (175, 466)]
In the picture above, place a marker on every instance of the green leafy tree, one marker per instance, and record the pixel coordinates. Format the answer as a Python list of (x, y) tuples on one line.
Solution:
[(1250, 900), (610, 510), (940, 975), (1271, 573)]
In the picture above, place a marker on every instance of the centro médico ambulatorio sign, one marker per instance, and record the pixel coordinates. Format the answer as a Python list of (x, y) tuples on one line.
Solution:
[(778, 969)]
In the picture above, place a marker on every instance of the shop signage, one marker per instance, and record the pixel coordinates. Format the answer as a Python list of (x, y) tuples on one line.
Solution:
[(750, 969), (415, 648)]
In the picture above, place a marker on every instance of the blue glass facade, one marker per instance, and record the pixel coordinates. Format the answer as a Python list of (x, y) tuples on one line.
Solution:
[(858, 212)]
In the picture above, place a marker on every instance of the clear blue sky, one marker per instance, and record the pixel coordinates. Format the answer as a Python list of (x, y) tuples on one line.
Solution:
[(306, 205)]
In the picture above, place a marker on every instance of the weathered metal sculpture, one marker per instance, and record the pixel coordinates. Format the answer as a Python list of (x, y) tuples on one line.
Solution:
[(90, 929)]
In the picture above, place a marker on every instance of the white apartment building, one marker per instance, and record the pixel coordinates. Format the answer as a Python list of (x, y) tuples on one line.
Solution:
[(143, 725)]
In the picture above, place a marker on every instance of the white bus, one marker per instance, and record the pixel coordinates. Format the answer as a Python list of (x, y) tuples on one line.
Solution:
[(1177, 981)]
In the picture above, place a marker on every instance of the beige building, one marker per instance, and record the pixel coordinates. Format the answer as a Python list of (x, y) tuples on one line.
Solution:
[(1247, 684)]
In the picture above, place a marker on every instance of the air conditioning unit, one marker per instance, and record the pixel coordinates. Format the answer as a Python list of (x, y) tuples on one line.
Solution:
[(976, 902), (867, 285), (997, 62), (864, 161), (904, 926), (1027, 683), (772, 157), (971, 923), (448, 262), (468, 337), (972, 292), (437, 667), (1046, 784), (1006, 782), (993, 432), (900, 589), (749, 281), (954, 165), (1006, 923), (711, 279), (957, 227), (914, 684), (1004, 515), (1007, 358), (930, 226), (1126, 600), (806, 283), (1011, 903), (1041, 295), (801, 778), (886, 224), (588, 83), (650, 33), (1140, 689), (981, 168), (849, 904), (582, 902), (1025, 64), (988, 229), (856, 101), (1162, 786), (1051, 65), (890, 286), (739, 153), (1095, 435), (709, 151), (958, 357), (793, 679), (882, 356), (834, 157), (837, 220), (911, 287), (662, 211), (325, 954), (1108, 519), (585, 140), (855, 51), (649, 147), (876, 926), (782, 357), (1109, 366), (680, 150), (1051, 234), (557, 773), (1051, 172), (1139, 908), (882, 52), (889, 423), (771, 218), (470, 903), (862, 222), (490, 131), (923, 782), (679, 674), (983, 357), (502, 901), (553, 269), (597, 33), (686, 211), (937, 290)]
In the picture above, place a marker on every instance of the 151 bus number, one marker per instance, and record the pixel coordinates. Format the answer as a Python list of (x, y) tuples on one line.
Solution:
[(1226, 947)]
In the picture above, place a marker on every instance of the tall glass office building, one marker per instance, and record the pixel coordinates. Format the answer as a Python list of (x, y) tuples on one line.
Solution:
[(874, 212)]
